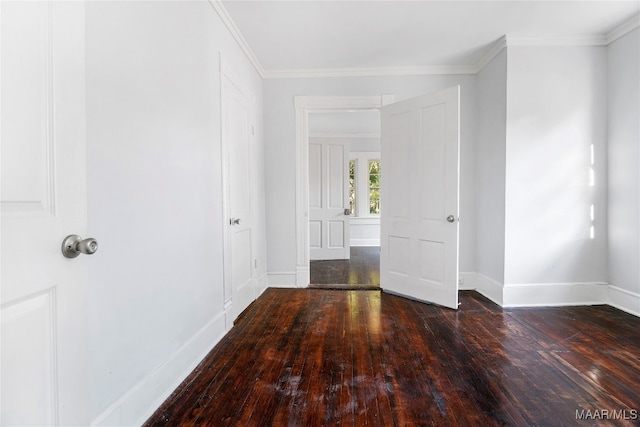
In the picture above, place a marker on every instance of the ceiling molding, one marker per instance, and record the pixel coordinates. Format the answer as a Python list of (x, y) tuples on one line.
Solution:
[(622, 29), (224, 15), (573, 40), (491, 53), (502, 43), (370, 72)]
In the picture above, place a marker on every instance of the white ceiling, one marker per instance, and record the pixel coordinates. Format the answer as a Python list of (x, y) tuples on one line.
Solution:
[(361, 34)]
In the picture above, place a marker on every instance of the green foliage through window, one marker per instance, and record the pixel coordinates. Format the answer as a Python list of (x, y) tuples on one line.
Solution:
[(374, 187), (353, 167)]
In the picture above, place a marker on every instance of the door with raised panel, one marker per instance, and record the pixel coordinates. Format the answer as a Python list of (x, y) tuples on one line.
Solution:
[(328, 199), (419, 222), (43, 199), (237, 140)]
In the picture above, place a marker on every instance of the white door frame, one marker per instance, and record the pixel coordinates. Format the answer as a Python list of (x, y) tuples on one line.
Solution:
[(317, 104)]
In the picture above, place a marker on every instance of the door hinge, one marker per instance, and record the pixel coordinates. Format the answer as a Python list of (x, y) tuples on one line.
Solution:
[(253, 130), (255, 263)]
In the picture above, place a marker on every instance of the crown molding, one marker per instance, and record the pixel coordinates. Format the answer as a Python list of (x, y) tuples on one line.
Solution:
[(502, 43), (622, 29), (369, 72), (493, 51), (224, 15)]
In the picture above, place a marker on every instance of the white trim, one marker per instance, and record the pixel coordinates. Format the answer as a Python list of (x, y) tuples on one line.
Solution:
[(224, 15), (497, 47), (461, 69), (622, 29), (303, 275), (303, 106), (568, 40), (262, 283), (370, 72), (489, 288), (624, 300), (554, 294), (143, 399), (282, 279), (344, 135), (467, 281), (364, 242)]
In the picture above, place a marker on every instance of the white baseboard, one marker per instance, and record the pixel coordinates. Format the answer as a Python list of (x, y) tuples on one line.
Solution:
[(489, 288), (139, 403), (262, 283), (624, 300), (282, 279), (467, 281), (554, 294), (364, 242), (303, 276)]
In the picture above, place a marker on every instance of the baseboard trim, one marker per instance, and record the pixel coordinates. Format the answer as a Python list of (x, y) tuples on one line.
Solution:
[(624, 300), (282, 279), (467, 281), (141, 401), (262, 283), (489, 288), (554, 294), (303, 276)]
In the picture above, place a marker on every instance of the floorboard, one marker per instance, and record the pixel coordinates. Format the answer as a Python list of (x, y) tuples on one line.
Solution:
[(361, 271), (311, 357)]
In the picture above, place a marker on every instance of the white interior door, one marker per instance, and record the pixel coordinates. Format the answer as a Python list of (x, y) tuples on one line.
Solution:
[(43, 199), (237, 131), (419, 221), (328, 199)]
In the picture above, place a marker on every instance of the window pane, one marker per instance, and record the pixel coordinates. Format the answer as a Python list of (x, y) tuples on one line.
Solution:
[(374, 187), (352, 187)]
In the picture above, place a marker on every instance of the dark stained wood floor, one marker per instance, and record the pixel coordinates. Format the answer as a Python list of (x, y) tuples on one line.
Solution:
[(308, 357), (362, 269)]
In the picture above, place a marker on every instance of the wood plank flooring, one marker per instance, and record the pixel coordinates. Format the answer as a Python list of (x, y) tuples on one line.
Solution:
[(361, 271), (308, 357)]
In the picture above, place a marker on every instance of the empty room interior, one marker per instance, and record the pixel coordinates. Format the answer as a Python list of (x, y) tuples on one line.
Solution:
[(268, 213)]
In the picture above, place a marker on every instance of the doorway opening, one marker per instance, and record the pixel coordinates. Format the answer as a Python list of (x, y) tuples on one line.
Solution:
[(344, 198), (352, 123)]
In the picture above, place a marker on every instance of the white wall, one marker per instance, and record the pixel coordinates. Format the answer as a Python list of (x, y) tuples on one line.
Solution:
[(491, 123), (556, 109), (279, 119), (155, 201), (624, 171)]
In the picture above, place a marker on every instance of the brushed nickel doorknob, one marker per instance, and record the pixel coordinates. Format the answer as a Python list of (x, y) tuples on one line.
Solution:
[(74, 245), (451, 218)]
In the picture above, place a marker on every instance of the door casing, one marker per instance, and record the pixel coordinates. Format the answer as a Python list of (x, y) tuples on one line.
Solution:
[(305, 105)]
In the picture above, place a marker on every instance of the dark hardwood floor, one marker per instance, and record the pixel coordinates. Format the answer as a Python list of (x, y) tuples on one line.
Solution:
[(309, 357), (362, 269)]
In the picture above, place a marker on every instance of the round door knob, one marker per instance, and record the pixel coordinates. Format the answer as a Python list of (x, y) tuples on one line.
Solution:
[(73, 245), (451, 218)]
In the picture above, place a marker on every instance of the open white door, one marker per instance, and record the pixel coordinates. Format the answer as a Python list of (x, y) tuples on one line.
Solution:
[(419, 216), (237, 141), (43, 336), (328, 199)]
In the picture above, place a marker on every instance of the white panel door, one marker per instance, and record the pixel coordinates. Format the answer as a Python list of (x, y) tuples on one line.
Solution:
[(43, 199), (328, 199), (419, 222), (237, 134)]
